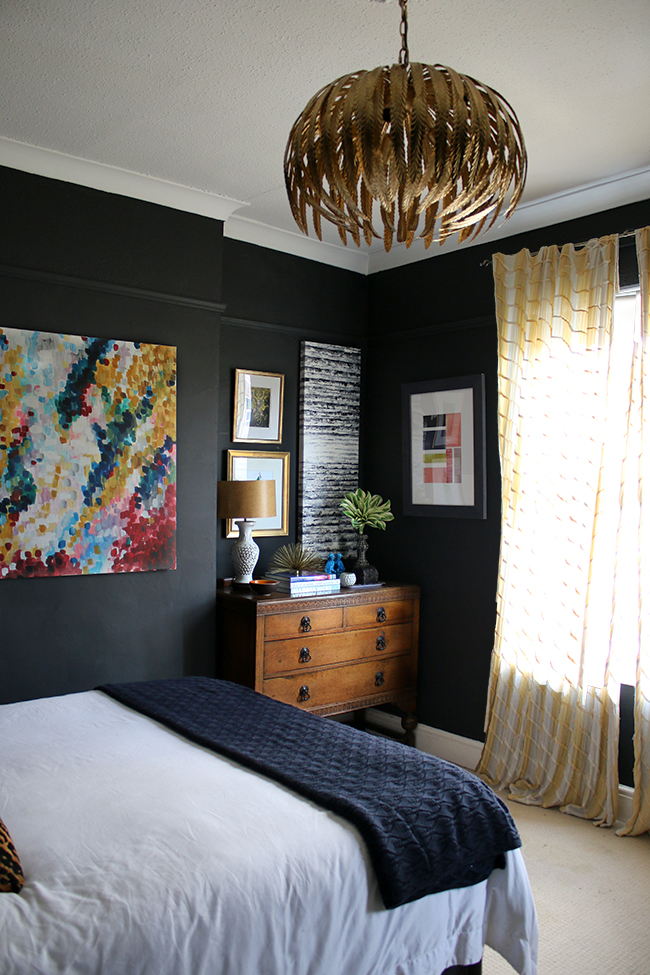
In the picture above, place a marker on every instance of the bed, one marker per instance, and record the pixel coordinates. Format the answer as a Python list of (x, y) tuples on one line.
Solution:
[(147, 853)]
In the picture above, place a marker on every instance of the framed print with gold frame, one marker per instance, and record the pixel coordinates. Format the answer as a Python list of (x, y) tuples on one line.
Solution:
[(259, 398), (265, 465)]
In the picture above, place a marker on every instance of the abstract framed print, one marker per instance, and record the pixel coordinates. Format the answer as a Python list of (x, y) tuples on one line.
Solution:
[(443, 444)]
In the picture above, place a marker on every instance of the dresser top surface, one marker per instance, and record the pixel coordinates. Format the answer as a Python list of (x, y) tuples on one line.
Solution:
[(283, 602)]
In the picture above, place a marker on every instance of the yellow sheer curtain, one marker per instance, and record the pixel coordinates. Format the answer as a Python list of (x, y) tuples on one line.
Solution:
[(639, 822), (552, 719)]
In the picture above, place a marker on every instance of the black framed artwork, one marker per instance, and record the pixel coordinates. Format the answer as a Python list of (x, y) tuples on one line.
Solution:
[(443, 448)]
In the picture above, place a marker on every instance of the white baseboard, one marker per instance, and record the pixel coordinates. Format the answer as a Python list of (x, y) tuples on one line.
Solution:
[(625, 793), (467, 752), (434, 741)]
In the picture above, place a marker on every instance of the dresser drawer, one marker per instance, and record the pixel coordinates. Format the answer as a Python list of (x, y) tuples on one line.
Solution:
[(319, 688), (283, 625), (386, 612), (310, 651), (334, 646)]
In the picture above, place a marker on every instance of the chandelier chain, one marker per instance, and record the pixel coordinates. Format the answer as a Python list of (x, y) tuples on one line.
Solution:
[(404, 53)]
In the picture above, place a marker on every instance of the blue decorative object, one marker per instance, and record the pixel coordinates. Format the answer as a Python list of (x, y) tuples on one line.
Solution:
[(335, 565)]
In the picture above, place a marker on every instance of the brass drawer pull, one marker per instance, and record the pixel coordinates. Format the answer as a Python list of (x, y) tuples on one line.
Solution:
[(303, 693), (381, 615), (381, 642), (305, 655), (379, 678), (305, 624)]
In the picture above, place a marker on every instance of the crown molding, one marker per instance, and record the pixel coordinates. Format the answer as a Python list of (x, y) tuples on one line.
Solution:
[(251, 232), (580, 201), (112, 179), (557, 208)]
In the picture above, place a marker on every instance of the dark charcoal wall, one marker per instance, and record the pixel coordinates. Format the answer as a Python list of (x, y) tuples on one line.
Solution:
[(80, 261), (274, 302), (434, 320)]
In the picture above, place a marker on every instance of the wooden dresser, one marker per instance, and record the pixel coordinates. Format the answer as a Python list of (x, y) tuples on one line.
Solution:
[(326, 654)]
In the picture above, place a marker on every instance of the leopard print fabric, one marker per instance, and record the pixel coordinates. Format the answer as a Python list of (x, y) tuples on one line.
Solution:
[(11, 873)]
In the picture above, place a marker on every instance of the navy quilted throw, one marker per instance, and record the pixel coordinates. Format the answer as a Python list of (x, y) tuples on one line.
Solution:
[(429, 825)]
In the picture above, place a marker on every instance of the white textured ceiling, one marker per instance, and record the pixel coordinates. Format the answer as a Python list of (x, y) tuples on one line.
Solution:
[(199, 96)]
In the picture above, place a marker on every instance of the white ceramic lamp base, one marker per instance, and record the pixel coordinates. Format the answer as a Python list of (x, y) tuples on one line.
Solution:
[(244, 553)]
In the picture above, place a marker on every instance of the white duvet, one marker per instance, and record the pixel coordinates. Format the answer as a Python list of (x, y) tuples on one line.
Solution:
[(145, 854)]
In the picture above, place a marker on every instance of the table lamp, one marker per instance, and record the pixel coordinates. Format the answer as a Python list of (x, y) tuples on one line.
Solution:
[(245, 500)]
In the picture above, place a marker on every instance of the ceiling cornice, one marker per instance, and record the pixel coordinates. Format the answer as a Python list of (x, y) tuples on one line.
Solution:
[(349, 258), (111, 179), (579, 201)]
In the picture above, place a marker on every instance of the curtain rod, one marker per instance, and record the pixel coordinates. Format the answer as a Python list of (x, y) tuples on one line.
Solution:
[(582, 243)]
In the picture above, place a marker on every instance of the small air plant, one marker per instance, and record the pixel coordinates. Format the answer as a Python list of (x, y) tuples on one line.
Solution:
[(295, 559)]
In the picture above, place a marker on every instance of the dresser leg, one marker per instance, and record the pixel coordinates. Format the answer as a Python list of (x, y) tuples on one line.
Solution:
[(359, 720), (409, 724)]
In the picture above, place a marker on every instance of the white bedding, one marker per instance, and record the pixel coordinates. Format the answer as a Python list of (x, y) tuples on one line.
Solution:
[(145, 854)]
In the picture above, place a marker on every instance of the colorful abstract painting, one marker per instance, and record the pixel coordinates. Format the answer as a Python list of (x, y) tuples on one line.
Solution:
[(87, 455), (441, 444)]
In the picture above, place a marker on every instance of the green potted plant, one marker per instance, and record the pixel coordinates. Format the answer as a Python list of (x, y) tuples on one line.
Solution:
[(365, 510)]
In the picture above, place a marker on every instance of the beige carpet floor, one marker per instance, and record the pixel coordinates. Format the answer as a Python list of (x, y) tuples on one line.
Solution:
[(592, 893)]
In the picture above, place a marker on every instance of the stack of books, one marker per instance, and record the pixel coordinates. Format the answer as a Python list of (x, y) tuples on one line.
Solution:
[(320, 584)]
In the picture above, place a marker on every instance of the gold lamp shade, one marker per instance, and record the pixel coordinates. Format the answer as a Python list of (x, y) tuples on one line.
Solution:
[(246, 499), (420, 140)]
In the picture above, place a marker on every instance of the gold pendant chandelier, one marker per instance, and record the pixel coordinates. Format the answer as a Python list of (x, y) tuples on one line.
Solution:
[(421, 140)]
